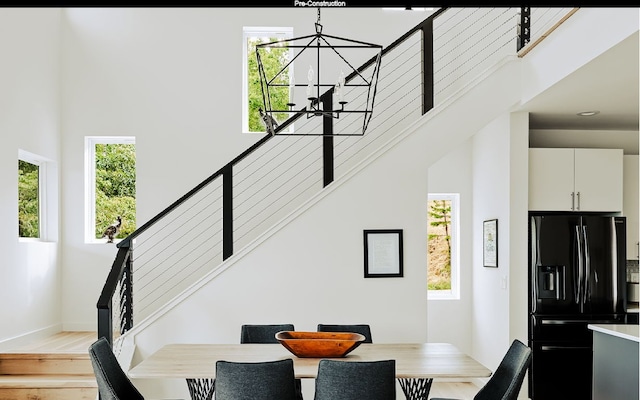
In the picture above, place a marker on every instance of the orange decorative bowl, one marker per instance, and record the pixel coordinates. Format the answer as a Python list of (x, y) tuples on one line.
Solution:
[(319, 344)]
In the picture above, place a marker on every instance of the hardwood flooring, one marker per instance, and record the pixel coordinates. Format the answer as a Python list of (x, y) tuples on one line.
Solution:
[(453, 390), (61, 342), (54, 368)]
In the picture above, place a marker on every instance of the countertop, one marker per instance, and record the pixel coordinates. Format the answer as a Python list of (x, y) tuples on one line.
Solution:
[(633, 307), (629, 332)]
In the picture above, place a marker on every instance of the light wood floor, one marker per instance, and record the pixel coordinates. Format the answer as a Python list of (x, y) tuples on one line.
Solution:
[(453, 390), (59, 343)]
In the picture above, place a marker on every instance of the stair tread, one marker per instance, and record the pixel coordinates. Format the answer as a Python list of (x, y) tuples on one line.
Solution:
[(47, 355), (44, 381)]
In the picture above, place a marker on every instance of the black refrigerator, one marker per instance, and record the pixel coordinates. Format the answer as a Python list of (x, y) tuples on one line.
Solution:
[(577, 276)]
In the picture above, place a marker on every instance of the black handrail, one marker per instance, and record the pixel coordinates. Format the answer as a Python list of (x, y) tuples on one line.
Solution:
[(123, 258)]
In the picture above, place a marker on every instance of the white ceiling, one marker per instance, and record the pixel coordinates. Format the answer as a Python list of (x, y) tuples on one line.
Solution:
[(608, 84)]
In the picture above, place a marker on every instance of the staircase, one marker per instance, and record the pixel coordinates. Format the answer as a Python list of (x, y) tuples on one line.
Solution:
[(56, 368)]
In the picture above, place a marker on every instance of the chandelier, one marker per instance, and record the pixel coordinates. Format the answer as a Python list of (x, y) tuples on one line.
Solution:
[(333, 86)]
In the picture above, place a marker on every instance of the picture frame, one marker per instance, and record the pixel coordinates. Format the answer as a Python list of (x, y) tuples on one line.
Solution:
[(490, 243), (383, 256)]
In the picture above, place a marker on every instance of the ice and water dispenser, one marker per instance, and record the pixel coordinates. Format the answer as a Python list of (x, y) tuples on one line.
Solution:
[(550, 281)]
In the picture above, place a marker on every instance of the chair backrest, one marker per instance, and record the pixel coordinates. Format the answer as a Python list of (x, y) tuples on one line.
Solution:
[(506, 381), (113, 383), (356, 380), (363, 329), (268, 380), (262, 333)]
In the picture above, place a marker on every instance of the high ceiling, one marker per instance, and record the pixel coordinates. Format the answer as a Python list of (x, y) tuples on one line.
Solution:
[(608, 84)]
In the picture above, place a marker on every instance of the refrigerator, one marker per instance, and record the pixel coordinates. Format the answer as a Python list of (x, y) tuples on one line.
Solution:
[(577, 276)]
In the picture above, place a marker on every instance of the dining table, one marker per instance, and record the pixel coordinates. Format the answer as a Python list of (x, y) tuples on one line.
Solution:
[(417, 364)]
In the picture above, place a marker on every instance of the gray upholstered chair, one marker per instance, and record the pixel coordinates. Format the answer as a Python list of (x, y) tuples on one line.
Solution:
[(363, 329), (262, 333), (506, 381), (268, 380), (356, 380), (113, 383), (266, 333)]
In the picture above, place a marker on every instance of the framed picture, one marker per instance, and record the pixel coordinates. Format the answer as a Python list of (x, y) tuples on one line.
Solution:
[(383, 253), (490, 243)]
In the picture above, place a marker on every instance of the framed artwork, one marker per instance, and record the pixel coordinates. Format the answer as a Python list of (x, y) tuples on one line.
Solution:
[(383, 253), (490, 243)]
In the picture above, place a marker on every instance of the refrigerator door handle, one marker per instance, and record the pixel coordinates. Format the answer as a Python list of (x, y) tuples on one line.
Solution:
[(587, 267), (579, 264)]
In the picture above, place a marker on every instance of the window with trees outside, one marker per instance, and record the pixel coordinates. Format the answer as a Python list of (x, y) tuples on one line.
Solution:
[(273, 61), (110, 174), (31, 195), (442, 246)]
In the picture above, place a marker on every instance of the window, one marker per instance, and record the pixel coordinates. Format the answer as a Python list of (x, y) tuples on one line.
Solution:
[(252, 92), (31, 195), (442, 246), (110, 189)]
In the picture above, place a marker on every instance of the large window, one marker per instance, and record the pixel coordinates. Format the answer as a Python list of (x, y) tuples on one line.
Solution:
[(31, 195), (110, 197), (273, 61), (442, 245)]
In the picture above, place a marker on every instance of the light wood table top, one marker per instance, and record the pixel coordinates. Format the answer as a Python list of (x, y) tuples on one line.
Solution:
[(413, 360)]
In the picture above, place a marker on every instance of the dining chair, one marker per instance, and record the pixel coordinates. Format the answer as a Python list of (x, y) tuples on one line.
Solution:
[(113, 382), (266, 380), (506, 381), (356, 380), (363, 329), (266, 333)]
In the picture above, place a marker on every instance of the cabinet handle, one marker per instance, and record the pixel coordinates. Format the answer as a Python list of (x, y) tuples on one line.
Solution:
[(578, 208), (573, 201)]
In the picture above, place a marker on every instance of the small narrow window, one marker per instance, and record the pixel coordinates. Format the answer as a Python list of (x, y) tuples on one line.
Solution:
[(275, 60), (442, 245), (110, 197), (30, 195)]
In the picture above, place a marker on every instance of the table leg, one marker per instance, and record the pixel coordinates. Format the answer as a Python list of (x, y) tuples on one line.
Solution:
[(416, 388), (201, 389)]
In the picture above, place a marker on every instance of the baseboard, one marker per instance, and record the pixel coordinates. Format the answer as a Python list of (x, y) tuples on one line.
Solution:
[(29, 337)]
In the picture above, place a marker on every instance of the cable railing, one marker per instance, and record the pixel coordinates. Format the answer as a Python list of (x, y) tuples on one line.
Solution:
[(237, 204)]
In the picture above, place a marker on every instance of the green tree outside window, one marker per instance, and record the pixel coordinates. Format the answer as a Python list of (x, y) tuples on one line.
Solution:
[(273, 60), (115, 187), (28, 200), (439, 245)]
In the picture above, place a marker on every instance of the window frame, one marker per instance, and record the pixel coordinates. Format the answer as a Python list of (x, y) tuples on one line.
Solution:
[(454, 292), (90, 143), (252, 31), (43, 213)]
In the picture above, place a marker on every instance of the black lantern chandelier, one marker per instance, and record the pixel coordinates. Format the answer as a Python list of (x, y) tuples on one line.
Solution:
[(345, 89)]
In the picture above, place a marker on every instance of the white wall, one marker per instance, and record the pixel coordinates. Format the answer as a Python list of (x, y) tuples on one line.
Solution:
[(490, 308), (29, 120), (448, 320)]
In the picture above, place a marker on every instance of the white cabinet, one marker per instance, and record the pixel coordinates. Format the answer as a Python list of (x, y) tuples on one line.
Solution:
[(564, 179), (630, 205)]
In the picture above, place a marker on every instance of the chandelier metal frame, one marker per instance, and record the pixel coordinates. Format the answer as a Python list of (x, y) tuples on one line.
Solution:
[(320, 95)]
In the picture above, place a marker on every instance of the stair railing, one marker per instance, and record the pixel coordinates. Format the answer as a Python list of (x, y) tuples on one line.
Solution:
[(201, 229)]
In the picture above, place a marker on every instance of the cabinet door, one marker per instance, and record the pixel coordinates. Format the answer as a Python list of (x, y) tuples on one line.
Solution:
[(630, 205), (598, 179), (550, 179)]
